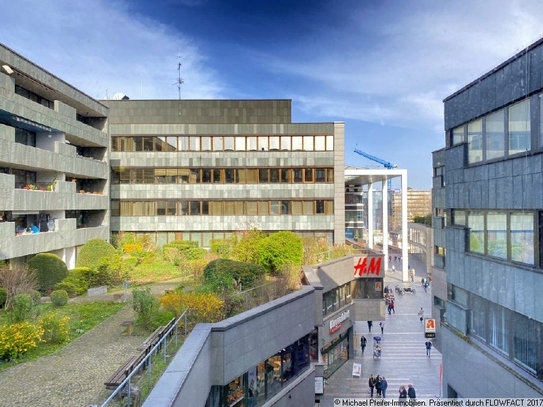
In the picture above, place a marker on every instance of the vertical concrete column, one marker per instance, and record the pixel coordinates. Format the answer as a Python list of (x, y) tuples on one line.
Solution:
[(405, 242), (384, 188), (370, 216)]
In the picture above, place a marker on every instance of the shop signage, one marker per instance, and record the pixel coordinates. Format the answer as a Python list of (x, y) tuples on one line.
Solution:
[(319, 385), (335, 323), (429, 328), (368, 267)]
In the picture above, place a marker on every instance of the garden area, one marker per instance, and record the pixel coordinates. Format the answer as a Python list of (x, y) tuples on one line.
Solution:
[(44, 306)]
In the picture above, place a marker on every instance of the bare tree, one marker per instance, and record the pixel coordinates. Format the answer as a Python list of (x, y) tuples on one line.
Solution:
[(17, 280)]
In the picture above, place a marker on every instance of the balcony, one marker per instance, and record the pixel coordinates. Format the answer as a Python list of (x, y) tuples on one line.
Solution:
[(65, 234)]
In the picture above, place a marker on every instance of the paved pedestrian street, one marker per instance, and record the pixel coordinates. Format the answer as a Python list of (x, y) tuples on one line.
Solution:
[(403, 358)]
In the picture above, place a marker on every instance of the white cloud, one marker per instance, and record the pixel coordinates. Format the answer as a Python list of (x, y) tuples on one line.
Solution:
[(397, 66), (102, 45)]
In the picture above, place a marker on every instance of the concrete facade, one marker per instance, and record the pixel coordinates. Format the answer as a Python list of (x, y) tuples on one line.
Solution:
[(486, 180), (54, 164), (219, 122)]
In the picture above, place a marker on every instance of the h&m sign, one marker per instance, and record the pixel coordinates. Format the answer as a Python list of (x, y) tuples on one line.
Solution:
[(369, 266)]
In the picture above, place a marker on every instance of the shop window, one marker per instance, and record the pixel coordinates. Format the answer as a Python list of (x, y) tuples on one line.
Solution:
[(367, 288)]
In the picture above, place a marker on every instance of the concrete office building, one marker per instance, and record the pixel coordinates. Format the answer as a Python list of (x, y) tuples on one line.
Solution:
[(54, 167), (488, 215), (201, 169)]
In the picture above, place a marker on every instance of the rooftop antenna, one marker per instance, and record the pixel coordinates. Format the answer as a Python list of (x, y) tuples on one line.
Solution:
[(180, 80)]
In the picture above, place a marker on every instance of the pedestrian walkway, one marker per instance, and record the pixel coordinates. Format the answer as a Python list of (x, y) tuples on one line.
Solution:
[(403, 358), (75, 375)]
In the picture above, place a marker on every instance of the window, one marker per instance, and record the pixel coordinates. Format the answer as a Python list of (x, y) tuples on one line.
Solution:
[(478, 322), (497, 234), (475, 141), (522, 237), (519, 127), (285, 143), (297, 143), (308, 143), (498, 327), (476, 223), (526, 342), (228, 143), (457, 136), (206, 143), (495, 135), (274, 143), (217, 143), (320, 143)]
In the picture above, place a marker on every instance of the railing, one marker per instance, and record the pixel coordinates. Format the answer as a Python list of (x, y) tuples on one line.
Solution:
[(125, 389)]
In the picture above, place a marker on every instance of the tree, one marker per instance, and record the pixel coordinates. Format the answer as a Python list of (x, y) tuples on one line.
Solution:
[(425, 220), (280, 249), (246, 246), (17, 280)]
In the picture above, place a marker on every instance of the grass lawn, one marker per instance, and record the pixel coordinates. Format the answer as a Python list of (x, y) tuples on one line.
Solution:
[(83, 317), (154, 272)]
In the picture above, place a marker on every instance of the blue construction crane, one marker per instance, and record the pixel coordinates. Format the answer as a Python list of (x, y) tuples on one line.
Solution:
[(386, 164)]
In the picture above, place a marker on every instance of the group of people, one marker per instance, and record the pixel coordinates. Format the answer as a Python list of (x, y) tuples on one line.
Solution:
[(379, 384)]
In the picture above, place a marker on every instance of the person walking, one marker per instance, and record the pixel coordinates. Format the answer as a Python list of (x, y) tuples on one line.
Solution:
[(411, 391), (378, 386), (392, 305), (403, 392), (371, 384), (382, 325), (363, 342), (428, 348), (421, 315), (370, 324), (384, 386)]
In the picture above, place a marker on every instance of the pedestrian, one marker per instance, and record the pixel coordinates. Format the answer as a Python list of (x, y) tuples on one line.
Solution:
[(425, 287), (403, 392), (389, 307), (411, 391), (384, 386), (371, 384), (378, 385), (370, 324), (421, 314), (428, 347), (392, 305), (363, 342), (393, 268), (422, 281), (382, 325)]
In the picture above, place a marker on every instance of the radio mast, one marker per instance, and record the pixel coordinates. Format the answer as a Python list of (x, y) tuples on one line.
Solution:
[(180, 80)]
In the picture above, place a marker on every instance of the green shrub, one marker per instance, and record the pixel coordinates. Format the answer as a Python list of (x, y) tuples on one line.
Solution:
[(146, 306), (22, 308), (36, 297), (3, 296), (55, 328), (279, 250), (231, 273), (76, 283), (59, 298), (50, 269), (222, 247), (92, 252), (181, 245)]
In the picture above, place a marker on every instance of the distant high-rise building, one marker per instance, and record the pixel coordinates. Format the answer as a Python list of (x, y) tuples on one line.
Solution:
[(419, 203)]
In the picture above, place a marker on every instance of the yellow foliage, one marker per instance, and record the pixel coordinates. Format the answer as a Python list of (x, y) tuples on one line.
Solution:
[(204, 307)]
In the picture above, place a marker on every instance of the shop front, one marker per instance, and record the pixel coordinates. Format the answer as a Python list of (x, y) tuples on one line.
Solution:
[(337, 336)]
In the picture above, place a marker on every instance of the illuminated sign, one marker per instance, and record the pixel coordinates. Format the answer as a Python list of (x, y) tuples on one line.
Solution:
[(368, 267), (429, 328), (335, 323)]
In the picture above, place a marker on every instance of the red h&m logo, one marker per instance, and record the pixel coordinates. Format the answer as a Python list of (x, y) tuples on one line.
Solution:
[(363, 269)]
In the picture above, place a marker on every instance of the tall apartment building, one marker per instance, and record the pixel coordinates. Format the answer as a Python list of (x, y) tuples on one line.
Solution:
[(54, 167), (201, 169), (488, 217)]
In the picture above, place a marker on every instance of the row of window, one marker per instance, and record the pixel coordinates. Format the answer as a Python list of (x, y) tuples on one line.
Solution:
[(508, 235), (172, 207), (496, 135), (221, 143), (515, 336), (336, 298), (221, 175), (204, 239)]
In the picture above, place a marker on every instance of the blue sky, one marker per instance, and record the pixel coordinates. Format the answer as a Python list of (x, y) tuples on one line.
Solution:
[(383, 67)]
